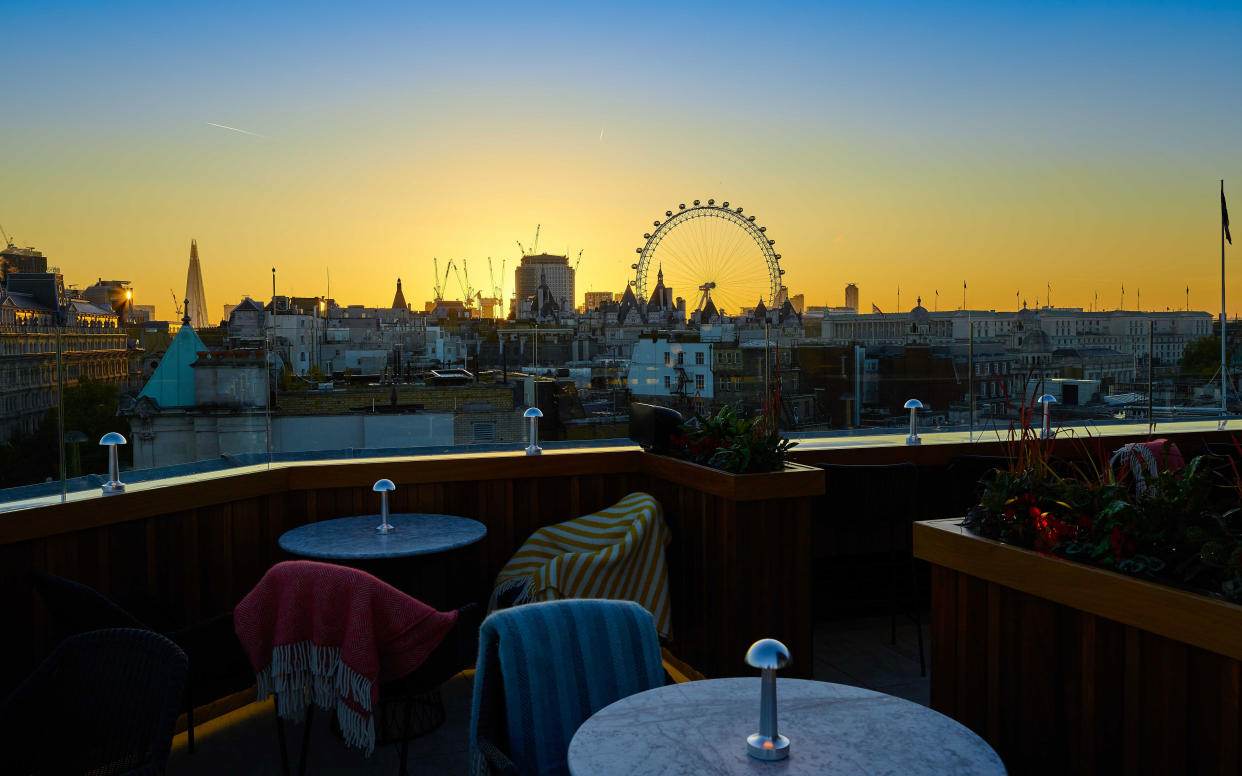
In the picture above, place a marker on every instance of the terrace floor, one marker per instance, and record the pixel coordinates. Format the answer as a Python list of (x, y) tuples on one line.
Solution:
[(853, 651)]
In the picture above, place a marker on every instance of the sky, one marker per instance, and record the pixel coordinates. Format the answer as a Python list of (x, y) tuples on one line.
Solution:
[(1011, 147)]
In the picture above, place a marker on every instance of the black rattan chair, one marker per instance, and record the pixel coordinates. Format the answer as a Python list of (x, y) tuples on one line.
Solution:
[(883, 498), (218, 666), (104, 703)]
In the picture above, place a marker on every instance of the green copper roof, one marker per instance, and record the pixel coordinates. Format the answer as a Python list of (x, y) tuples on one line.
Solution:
[(172, 385)]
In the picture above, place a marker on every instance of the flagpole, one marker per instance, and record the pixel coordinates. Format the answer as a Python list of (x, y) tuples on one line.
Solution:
[(1224, 380)]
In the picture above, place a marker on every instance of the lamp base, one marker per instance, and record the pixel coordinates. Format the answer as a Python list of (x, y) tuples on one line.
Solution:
[(913, 440), (764, 748), (113, 488), (534, 450)]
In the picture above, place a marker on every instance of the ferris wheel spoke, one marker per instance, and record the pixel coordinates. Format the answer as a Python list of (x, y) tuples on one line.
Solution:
[(711, 245)]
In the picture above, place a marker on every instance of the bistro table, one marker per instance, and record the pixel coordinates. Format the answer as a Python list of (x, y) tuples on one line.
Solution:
[(421, 555), (701, 727)]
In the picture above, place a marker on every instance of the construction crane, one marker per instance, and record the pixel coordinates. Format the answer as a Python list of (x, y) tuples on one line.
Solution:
[(7, 240), (435, 280), (534, 248), (442, 285), (577, 261), (463, 280), (176, 304)]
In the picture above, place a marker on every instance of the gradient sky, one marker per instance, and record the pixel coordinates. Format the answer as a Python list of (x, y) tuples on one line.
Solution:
[(1007, 145)]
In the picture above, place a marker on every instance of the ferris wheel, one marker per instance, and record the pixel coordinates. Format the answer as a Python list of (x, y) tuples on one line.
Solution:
[(709, 251)]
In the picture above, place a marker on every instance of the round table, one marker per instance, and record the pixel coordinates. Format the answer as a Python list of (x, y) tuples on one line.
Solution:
[(355, 538), (431, 557), (701, 727)]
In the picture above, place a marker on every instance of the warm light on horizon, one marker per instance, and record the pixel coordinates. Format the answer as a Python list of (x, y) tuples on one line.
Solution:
[(1011, 149)]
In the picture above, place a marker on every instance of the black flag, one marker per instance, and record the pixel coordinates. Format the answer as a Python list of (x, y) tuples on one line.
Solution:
[(1224, 214)]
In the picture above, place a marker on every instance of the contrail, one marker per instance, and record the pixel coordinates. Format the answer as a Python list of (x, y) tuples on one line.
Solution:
[(235, 129), (601, 133)]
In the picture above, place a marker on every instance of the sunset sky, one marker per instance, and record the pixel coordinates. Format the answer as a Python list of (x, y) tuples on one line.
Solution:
[(1010, 146)]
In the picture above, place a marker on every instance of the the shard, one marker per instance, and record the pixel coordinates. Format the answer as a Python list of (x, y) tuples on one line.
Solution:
[(195, 298)]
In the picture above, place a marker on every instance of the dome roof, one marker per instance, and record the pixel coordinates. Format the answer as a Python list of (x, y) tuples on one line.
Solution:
[(919, 314)]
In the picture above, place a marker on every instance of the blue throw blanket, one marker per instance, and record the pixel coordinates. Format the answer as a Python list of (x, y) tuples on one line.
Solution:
[(549, 667)]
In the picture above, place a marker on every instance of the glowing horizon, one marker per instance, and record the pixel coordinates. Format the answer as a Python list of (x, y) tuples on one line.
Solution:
[(1008, 147)]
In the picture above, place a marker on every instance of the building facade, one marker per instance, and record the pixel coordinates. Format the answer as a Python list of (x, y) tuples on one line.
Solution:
[(535, 269), (91, 341)]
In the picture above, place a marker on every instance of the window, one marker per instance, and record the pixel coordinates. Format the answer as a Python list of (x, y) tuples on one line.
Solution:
[(668, 381), (698, 382), (698, 358), (681, 358), (668, 358)]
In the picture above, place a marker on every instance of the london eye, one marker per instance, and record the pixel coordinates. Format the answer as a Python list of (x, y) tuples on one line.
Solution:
[(711, 251)]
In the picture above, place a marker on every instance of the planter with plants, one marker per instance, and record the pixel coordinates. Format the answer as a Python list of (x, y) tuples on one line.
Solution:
[(741, 458), (1085, 614), (1144, 512)]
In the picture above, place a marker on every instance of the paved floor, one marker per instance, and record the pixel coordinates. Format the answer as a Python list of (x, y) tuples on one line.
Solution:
[(855, 652)]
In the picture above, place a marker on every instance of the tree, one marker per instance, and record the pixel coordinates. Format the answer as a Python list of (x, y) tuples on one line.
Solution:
[(90, 407), (1201, 358)]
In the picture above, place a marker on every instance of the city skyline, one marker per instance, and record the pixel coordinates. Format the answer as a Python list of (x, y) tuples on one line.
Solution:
[(1008, 148)]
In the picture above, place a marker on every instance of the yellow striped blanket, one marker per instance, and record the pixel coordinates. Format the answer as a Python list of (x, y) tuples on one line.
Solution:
[(616, 553)]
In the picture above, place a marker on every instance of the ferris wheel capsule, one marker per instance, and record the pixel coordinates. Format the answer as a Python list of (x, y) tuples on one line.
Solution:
[(633, 266), (711, 201), (696, 203), (655, 223), (725, 204), (739, 208), (771, 242), (667, 213), (646, 235), (682, 206)]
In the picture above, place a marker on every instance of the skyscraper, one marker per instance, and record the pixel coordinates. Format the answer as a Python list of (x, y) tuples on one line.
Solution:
[(851, 297), (195, 297), (537, 268)]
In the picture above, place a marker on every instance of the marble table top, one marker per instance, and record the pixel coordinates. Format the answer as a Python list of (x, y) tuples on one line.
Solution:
[(355, 538), (701, 727)]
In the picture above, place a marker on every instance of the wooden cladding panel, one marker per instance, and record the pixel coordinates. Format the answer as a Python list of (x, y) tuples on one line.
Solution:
[(1056, 690), (739, 570)]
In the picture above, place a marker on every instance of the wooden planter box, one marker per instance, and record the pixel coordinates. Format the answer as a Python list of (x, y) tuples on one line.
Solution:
[(740, 561), (1067, 668)]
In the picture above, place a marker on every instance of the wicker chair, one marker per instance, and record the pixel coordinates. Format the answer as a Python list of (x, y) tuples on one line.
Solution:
[(104, 703), (218, 665)]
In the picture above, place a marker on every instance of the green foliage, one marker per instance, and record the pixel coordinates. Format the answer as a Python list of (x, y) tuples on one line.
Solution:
[(1201, 358), (1181, 526), (728, 441), (90, 407)]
